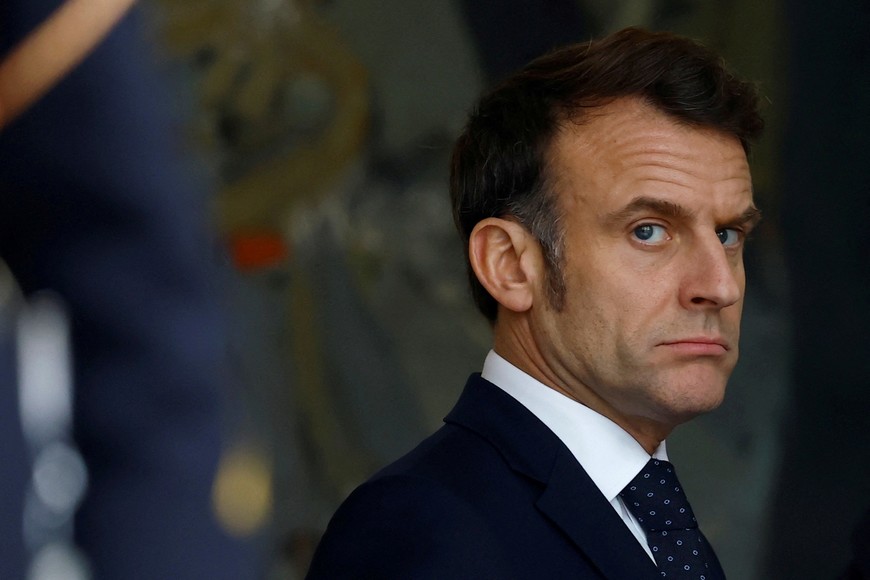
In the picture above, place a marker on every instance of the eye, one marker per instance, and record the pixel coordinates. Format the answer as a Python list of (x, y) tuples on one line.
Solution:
[(651, 234), (728, 237)]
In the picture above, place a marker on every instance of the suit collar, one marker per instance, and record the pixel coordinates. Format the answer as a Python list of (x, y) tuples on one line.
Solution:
[(527, 445), (609, 454), (569, 499)]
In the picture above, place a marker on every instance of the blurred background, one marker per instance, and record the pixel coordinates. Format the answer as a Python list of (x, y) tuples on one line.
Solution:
[(320, 286)]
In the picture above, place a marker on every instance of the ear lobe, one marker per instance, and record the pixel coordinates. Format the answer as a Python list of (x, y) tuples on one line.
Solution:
[(503, 257)]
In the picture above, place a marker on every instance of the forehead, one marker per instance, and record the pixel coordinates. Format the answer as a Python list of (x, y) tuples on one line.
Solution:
[(628, 148)]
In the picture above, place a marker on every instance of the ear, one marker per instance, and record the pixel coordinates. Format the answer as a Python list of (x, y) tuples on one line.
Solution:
[(507, 261)]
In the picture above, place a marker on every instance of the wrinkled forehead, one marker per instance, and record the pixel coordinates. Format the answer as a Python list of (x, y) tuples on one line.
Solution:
[(627, 131), (629, 149)]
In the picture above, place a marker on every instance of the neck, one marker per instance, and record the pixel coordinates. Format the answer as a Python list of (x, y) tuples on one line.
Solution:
[(519, 350)]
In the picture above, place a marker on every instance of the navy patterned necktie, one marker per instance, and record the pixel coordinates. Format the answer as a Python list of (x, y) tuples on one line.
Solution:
[(656, 499)]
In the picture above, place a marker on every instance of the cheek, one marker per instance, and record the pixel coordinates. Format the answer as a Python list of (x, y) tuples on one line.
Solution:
[(617, 297), (608, 320), (638, 301)]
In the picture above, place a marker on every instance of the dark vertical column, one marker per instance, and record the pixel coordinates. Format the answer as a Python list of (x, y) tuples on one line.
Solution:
[(825, 480), (510, 33), (14, 465)]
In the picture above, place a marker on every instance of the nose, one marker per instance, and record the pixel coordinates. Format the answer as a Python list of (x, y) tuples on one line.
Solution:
[(714, 279)]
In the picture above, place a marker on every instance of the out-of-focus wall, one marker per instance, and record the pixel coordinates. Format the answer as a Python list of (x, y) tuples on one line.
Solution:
[(330, 125)]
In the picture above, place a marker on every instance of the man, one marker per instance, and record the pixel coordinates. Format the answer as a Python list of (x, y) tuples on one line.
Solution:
[(605, 197)]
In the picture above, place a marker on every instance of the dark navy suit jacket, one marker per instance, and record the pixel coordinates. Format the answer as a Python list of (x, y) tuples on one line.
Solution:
[(492, 494)]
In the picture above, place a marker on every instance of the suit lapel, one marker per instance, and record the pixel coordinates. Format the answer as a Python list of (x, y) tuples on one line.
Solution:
[(570, 499), (573, 503)]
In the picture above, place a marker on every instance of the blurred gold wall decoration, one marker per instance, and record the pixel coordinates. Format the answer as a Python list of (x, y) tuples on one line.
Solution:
[(284, 103)]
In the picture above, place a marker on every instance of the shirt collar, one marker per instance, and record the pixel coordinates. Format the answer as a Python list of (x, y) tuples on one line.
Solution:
[(610, 456)]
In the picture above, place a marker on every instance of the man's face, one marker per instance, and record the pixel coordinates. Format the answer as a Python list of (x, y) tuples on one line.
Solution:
[(655, 216)]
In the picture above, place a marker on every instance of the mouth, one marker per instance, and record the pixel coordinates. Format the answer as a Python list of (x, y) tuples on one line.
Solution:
[(698, 346)]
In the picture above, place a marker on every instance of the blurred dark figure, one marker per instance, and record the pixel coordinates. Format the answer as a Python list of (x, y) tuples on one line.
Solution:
[(824, 480), (97, 206)]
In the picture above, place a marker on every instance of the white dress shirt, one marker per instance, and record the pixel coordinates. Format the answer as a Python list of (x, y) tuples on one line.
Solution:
[(610, 456)]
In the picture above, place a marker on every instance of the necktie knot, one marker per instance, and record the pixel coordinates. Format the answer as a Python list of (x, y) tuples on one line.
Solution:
[(657, 500)]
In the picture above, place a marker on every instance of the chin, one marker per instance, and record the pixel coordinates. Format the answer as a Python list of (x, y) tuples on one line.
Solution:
[(700, 405), (689, 397)]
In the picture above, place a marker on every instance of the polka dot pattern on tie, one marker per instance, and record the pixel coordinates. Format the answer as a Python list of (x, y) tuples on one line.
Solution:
[(656, 499)]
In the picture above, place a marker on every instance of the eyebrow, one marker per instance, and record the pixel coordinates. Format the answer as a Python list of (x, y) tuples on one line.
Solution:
[(748, 219), (649, 204)]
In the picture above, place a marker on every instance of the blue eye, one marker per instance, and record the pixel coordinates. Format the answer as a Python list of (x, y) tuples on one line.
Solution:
[(728, 237), (651, 233)]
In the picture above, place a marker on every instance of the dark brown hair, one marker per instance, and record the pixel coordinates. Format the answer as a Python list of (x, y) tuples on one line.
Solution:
[(498, 167)]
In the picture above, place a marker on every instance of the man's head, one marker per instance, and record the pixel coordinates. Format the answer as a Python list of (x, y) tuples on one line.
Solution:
[(500, 162), (605, 196)]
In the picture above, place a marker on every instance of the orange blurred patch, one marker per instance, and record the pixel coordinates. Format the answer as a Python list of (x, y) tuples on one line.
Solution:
[(256, 250)]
